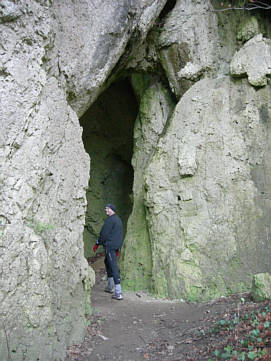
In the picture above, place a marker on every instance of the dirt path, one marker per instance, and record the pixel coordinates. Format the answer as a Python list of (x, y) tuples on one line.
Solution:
[(143, 328)]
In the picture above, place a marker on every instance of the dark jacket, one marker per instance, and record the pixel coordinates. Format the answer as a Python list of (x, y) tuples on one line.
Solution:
[(111, 234)]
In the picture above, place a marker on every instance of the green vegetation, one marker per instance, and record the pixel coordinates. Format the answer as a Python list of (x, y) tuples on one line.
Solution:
[(40, 228), (247, 335)]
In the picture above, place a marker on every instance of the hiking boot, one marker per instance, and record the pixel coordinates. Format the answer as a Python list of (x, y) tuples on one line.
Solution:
[(108, 289), (117, 296)]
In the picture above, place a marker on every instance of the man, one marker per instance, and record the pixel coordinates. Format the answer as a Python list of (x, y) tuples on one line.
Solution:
[(111, 237)]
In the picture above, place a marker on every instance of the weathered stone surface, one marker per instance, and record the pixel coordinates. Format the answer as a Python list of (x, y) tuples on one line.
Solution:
[(43, 201), (53, 55), (9, 11), (91, 38), (44, 174), (253, 60), (188, 43), (261, 287), (155, 108), (208, 192), (248, 28), (176, 270)]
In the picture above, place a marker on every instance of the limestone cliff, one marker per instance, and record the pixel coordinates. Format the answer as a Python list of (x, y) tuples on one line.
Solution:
[(160, 106), (55, 59), (207, 185)]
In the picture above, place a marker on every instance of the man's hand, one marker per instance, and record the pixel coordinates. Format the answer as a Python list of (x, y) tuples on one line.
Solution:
[(95, 247)]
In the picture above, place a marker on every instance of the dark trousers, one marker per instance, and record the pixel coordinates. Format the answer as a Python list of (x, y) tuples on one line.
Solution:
[(111, 265)]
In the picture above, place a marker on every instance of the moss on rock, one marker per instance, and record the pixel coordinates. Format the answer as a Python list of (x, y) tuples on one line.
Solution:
[(154, 110)]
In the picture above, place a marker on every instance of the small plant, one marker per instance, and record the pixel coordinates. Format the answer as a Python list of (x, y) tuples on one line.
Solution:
[(40, 228)]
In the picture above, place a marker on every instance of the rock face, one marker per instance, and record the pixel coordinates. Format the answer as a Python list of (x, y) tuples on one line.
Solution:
[(188, 44), (207, 185), (91, 38), (155, 109), (55, 59), (45, 279), (205, 189), (200, 200)]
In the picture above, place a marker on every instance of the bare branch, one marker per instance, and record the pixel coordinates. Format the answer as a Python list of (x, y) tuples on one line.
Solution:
[(257, 4), (244, 8)]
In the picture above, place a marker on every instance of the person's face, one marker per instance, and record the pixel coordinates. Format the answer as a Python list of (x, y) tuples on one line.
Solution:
[(109, 211)]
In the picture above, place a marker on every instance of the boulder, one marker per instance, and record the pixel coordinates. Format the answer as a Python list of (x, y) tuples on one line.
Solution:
[(261, 287), (253, 60)]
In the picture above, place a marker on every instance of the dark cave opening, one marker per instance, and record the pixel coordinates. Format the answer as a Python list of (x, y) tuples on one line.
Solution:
[(108, 138)]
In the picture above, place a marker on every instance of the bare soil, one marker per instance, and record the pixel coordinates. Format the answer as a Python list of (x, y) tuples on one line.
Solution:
[(141, 327)]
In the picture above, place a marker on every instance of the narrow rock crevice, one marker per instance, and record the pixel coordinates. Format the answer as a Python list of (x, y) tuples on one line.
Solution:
[(108, 138), (169, 6)]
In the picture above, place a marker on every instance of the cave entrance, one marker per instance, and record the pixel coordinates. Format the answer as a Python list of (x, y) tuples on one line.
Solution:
[(108, 138)]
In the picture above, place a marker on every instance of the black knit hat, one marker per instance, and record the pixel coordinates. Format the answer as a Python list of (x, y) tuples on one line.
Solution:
[(111, 206)]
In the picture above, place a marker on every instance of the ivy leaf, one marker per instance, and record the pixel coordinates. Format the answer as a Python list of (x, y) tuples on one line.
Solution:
[(251, 355)]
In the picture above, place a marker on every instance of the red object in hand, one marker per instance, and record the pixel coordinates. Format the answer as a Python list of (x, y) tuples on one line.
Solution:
[(117, 253), (95, 247)]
